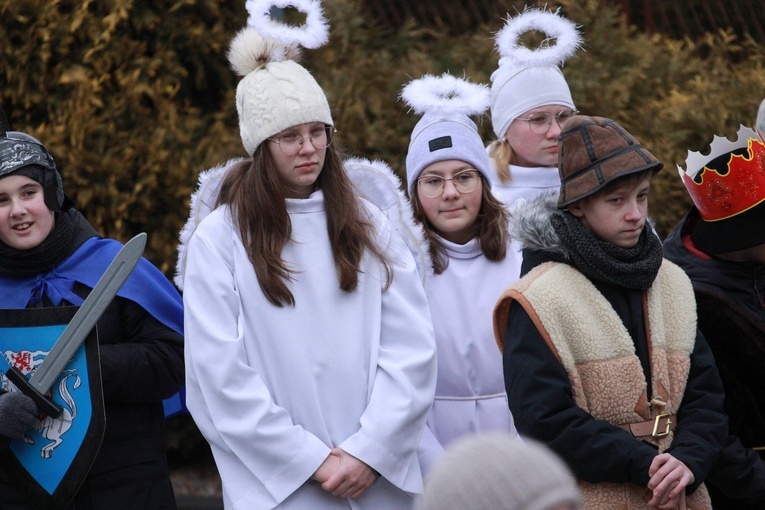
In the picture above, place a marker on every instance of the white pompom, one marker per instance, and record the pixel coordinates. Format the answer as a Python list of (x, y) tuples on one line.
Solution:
[(554, 26), (446, 93), (313, 34), (249, 50)]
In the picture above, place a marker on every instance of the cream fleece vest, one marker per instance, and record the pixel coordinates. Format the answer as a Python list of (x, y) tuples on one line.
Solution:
[(590, 340)]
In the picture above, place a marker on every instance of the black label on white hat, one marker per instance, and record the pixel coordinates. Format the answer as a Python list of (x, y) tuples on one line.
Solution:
[(440, 143)]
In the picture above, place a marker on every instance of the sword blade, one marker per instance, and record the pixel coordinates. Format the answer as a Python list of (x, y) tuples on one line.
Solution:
[(88, 314)]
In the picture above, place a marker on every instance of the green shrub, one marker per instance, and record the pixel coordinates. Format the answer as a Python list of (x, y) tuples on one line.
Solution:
[(672, 95), (134, 99), (128, 98)]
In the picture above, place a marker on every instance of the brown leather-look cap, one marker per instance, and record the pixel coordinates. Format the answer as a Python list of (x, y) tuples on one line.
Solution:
[(594, 151)]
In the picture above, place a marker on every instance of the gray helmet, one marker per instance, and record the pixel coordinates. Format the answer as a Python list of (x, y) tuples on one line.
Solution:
[(24, 154)]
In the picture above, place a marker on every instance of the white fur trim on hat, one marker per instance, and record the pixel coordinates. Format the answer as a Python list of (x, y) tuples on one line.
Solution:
[(527, 78), (445, 131), (275, 92), (312, 35)]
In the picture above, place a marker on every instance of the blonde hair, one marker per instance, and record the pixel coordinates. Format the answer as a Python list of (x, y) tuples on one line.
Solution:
[(501, 155)]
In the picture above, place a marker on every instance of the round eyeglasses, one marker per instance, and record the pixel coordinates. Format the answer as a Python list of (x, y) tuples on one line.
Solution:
[(539, 123), (433, 186), (291, 142)]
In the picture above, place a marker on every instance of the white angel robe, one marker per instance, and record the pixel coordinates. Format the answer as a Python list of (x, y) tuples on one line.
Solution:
[(274, 389), (526, 183), (470, 388)]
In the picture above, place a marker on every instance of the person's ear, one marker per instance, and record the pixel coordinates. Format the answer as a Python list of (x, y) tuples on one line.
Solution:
[(576, 209)]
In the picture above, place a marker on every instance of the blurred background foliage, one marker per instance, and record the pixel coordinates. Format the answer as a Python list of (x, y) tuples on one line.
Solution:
[(130, 97), (135, 98)]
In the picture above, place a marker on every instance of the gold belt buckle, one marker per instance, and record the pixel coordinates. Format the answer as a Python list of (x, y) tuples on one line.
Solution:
[(656, 432)]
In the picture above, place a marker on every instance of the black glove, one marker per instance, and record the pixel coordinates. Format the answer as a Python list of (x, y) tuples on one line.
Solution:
[(18, 413)]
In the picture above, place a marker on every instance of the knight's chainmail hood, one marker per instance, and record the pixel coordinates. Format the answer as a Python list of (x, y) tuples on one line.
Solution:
[(531, 225)]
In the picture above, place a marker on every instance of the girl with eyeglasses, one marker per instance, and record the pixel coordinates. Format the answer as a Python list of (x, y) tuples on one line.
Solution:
[(449, 184), (309, 351), (530, 101)]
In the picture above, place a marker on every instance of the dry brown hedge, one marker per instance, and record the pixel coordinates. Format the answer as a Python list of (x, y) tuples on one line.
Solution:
[(134, 99)]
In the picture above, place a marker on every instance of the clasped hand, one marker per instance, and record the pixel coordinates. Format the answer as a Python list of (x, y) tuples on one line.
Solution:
[(344, 475), (669, 478)]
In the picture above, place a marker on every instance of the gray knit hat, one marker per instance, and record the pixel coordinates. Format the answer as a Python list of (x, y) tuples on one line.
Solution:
[(445, 130), (495, 471)]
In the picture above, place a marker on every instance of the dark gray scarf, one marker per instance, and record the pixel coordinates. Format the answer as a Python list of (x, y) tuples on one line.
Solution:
[(633, 268)]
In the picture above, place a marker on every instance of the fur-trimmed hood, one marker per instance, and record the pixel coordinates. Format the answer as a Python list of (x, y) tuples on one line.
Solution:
[(531, 226)]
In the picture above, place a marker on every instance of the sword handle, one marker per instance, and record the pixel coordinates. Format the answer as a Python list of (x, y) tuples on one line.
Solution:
[(45, 405)]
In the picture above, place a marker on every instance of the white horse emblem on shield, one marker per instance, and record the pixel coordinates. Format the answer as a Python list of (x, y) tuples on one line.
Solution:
[(49, 428)]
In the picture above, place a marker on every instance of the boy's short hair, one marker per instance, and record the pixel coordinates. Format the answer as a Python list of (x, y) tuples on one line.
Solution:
[(629, 179), (593, 152)]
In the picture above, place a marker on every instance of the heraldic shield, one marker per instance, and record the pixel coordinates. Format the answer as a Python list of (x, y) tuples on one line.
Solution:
[(52, 460)]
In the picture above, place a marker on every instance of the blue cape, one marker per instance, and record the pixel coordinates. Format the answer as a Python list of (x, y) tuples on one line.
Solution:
[(146, 286)]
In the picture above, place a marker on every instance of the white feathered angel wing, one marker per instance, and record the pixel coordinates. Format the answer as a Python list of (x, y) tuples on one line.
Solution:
[(202, 203), (376, 182)]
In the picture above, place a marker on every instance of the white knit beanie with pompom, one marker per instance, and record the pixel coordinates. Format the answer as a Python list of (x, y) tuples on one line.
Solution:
[(275, 92)]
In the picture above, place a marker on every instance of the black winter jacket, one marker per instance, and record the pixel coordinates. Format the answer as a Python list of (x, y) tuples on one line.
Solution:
[(539, 395), (539, 391), (730, 299), (141, 364)]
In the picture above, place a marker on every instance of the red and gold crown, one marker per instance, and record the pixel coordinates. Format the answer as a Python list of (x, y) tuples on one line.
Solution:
[(739, 187)]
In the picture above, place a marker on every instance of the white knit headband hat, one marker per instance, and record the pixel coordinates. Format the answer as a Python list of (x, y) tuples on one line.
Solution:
[(526, 78), (445, 130), (276, 92)]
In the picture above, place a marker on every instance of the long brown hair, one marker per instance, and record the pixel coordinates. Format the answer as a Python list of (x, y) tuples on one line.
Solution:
[(490, 228), (256, 194)]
